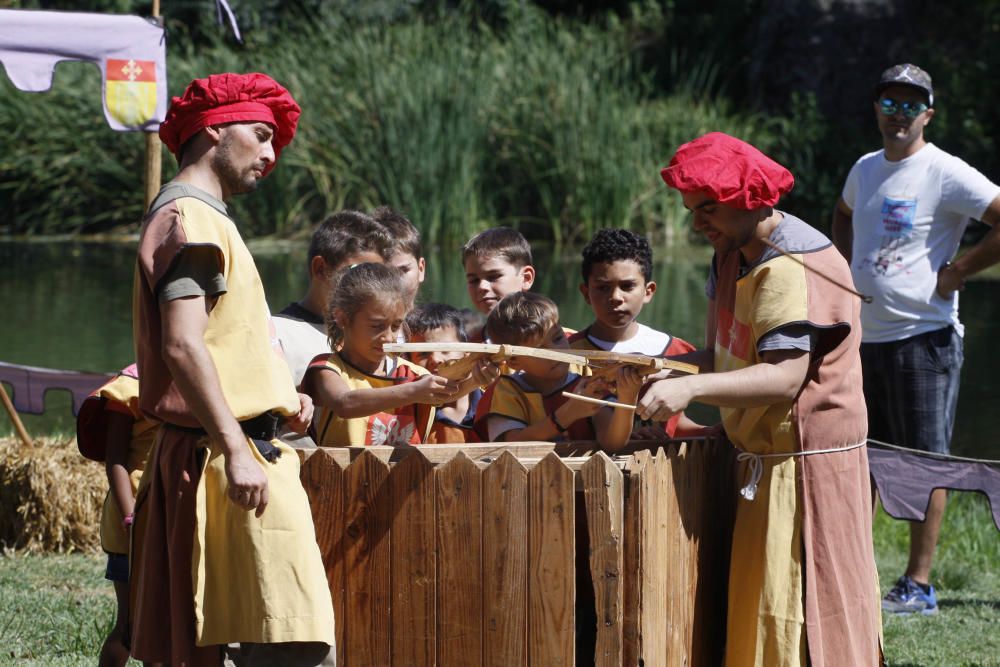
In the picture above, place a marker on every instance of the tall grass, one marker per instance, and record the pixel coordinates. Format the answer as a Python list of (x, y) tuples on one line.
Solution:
[(541, 123)]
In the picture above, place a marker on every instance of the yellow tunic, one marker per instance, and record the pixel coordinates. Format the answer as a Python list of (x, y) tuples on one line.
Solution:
[(252, 579), (517, 405), (406, 425), (802, 581), (123, 392), (766, 624)]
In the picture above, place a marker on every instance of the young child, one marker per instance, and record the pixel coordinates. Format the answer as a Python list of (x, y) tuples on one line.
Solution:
[(110, 429), (617, 282), (441, 323), (344, 238), (497, 263), (362, 395), (405, 252), (528, 404)]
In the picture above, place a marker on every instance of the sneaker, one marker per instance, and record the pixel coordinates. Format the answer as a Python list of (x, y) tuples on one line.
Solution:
[(908, 597)]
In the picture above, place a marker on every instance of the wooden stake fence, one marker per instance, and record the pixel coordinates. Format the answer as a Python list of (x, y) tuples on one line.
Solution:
[(533, 554)]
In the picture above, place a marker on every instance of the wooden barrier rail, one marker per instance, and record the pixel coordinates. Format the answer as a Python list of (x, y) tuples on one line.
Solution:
[(525, 554)]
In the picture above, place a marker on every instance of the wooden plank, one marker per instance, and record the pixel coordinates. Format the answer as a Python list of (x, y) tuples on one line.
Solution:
[(632, 557), (603, 494), (414, 565), (481, 453), (653, 615), (505, 563), (367, 557), (487, 452), (551, 564), (673, 479), (323, 480), (459, 544), (695, 502), (718, 500)]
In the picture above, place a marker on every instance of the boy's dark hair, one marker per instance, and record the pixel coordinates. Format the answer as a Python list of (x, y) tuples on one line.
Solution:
[(520, 317), (503, 242), (613, 245), (347, 233), (405, 236), (353, 287), (473, 321), (430, 316)]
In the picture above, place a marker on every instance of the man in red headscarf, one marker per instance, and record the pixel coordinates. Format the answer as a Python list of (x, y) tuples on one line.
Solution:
[(781, 362), (225, 549)]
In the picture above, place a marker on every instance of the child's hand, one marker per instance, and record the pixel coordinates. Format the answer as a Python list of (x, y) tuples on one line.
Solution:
[(300, 422), (572, 410), (485, 373), (628, 383), (434, 390)]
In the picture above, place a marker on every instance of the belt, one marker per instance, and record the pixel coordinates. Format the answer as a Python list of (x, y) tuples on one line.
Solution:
[(261, 429)]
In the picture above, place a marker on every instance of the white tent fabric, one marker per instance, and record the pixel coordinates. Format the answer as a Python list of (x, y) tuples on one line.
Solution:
[(130, 51)]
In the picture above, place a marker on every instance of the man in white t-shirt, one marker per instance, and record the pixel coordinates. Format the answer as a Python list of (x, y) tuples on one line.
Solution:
[(899, 222)]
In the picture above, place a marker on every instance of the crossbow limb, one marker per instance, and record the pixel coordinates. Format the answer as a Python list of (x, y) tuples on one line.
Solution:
[(458, 369)]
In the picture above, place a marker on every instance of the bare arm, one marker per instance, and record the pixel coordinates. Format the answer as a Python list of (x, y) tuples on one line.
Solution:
[(981, 256), (116, 457), (687, 427), (329, 390), (192, 369), (613, 426), (779, 377), (842, 228)]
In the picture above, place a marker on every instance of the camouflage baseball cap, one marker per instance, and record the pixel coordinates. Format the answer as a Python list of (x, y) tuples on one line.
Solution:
[(906, 75)]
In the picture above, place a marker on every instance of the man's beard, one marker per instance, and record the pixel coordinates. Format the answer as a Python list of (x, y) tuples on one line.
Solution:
[(232, 179)]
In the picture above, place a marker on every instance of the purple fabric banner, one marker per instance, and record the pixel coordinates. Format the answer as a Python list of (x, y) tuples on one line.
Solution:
[(906, 477), (130, 51), (30, 383)]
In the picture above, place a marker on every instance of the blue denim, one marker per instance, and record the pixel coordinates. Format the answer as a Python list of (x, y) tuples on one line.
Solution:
[(911, 388)]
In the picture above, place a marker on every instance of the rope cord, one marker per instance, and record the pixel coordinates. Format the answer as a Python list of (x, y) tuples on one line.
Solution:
[(749, 490), (932, 455)]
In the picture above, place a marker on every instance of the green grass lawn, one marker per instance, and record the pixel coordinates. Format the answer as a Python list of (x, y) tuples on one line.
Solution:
[(56, 609)]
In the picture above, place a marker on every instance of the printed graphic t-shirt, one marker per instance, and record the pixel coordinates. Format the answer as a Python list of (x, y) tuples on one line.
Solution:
[(908, 219)]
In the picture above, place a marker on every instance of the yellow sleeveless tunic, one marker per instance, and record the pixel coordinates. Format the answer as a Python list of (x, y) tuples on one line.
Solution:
[(252, 579)]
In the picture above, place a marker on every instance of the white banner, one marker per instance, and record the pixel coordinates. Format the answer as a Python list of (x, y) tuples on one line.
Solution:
[(129, 50)]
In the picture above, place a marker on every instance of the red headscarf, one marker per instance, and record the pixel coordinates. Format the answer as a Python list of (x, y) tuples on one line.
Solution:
[(229, 98), (730, 171)]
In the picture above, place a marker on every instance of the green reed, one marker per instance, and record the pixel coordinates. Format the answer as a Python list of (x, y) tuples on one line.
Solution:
[(544, 124)]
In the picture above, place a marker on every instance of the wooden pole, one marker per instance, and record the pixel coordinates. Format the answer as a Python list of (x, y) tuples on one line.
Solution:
[(14, 417), (154, 162)]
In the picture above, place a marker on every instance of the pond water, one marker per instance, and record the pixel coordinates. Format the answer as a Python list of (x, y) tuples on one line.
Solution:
[(67, 305)]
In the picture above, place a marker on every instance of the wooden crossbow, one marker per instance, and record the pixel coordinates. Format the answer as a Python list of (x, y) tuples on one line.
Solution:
[(602, 363)]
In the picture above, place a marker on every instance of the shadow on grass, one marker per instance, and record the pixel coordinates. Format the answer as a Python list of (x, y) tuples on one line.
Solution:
[(983, 604)]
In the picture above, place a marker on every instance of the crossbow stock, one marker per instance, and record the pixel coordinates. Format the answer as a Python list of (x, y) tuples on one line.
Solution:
[(601, 363)]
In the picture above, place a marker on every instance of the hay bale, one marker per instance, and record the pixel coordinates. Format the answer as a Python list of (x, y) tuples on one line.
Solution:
[(50, 496)]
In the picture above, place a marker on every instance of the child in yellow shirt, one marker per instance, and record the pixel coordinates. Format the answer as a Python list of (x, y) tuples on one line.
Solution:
[(362, 395), (529, 404), (111, 429)]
